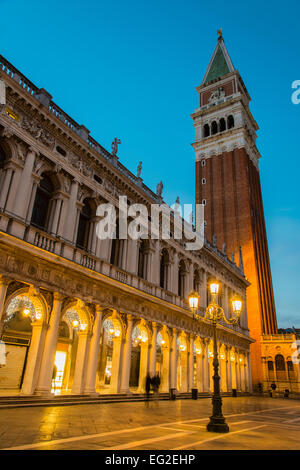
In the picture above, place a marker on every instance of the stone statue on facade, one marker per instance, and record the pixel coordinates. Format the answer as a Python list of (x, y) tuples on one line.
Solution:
[(114, 146), (139, 170), (159, 189)]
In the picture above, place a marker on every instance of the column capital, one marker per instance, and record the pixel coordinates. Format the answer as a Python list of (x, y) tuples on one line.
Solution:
[(4, 280), (33, 290), (58, 297), (99, 309), (85, 332), (129, 317), (154, 324), (33, 150)]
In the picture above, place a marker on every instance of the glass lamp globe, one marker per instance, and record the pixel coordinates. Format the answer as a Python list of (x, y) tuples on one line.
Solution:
[(193, 300), (214, 287), (237, 306)]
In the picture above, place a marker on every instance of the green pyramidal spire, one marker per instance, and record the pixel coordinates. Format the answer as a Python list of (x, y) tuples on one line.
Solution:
[(220, 63)]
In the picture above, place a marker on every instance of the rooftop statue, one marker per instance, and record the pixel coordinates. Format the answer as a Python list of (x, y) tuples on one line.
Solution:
[(115, 145), (159, 189), (139, 170)]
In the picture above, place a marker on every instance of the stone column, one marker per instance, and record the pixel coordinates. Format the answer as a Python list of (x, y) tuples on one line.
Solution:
[(165, 375), (191, 363), (91, 372), (144, 354), (223, 371), (71, 214), (34, 358), (116, 362), (126, 359), (25, 184), (56, 215), (173, 365), (80, 363), (46, 369), (203, 296), (237, 369), (249, 373), (228, 369), (35, 184), (152, 359), (132, 254), (226, 301), (205, 366), (184, 370), (5, 188), (242, 369), (4, 282), (199, 379)]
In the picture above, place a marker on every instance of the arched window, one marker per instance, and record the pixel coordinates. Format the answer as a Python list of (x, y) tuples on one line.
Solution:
[(214, 128), (290, 368), (222, 125), (84, 226), (117, 248), (279, 362), (42, 204), (197, 281), (280, 367), (230, 122), (270, 370), (164, 262), (206, 130), (181, 279), (2, 158), (142, 266)]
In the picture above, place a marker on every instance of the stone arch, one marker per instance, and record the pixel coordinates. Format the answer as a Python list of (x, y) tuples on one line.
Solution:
[(36, 298), (140, 341), (7, 149), (25, 315), (81, 313), (72, 346), (206, 130), (108, 367)]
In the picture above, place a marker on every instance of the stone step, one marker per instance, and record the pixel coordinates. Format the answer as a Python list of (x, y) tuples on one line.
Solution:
[(63, 400)]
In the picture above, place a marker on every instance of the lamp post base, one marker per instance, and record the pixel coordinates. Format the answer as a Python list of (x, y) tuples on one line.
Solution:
[(217, 424)]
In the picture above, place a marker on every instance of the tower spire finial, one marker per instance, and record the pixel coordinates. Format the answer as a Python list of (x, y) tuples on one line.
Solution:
[(220, 34)]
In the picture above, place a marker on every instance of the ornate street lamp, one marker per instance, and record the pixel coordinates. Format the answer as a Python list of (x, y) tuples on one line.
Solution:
[(214, 314)]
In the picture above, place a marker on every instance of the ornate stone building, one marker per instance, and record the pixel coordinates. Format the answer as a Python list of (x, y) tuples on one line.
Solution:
[(281, 361), (101, 313)]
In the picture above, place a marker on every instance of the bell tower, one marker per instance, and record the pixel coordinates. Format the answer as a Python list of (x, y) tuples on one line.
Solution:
[(228, 184)]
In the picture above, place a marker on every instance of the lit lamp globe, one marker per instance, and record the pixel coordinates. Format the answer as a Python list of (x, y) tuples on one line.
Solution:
[(26, 312), (214, 288), (237, 306), (193, 301)]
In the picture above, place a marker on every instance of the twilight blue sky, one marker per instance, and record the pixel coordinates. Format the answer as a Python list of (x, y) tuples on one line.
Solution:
[(129, 68)]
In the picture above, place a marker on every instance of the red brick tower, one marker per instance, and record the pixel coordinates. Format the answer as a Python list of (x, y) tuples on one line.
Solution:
[(228, 183)]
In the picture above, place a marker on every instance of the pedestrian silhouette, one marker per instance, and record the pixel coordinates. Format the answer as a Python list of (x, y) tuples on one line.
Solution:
[(155, 385), (147, 388)]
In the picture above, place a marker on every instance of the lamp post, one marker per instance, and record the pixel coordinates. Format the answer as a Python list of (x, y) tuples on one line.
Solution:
[(214, 314)]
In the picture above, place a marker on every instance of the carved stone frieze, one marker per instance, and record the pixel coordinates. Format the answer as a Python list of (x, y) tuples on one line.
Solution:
[(38, 132)]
